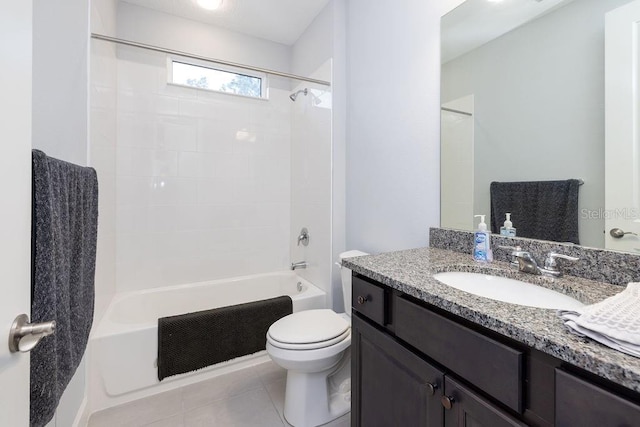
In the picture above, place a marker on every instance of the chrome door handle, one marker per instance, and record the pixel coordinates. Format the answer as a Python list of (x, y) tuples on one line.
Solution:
[(24, 336), (618, 233)]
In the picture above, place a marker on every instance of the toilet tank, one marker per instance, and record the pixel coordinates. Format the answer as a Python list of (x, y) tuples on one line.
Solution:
[(345, 274)]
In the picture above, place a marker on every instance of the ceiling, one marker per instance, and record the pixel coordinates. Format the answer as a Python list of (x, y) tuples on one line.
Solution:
[(281, 21), (476, 22)]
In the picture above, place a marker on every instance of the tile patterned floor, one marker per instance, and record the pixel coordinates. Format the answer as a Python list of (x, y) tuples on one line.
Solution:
[(252, 397)]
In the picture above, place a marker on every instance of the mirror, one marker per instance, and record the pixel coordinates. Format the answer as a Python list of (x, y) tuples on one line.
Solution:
[(522, 95)]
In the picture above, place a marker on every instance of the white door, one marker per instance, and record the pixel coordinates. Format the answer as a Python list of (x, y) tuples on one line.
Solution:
[(622, 121), (15, 202)]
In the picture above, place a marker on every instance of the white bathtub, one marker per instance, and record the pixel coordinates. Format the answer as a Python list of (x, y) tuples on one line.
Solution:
[(124, 344)]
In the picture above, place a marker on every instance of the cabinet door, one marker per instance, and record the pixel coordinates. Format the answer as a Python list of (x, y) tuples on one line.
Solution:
[(467, 409), (391, 385), (580, 403)]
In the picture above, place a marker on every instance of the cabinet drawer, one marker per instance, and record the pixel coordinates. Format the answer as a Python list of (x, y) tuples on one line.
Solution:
[(469, 409), (580, 403), (488, 364), (368, 299)]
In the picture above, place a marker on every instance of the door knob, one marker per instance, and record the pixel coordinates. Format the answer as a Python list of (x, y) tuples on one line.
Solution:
[(24, 336), (618, 233)]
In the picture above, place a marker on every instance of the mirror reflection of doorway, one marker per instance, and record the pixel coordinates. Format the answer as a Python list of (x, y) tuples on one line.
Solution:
[(622, 142), (456, 175)]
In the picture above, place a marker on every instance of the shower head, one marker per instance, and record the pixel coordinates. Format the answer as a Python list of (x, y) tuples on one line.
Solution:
[(293, 96)]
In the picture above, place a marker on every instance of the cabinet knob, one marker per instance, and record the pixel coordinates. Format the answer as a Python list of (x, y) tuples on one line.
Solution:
[(447, 402), (432, 387), (362, 300)]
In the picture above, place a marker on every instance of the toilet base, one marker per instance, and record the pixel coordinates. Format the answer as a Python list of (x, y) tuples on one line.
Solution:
[(313, 399)]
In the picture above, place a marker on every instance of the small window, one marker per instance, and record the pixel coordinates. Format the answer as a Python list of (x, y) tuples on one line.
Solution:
[(219, 80)]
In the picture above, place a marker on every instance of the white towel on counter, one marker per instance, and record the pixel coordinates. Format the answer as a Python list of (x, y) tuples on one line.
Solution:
[(614, 322)]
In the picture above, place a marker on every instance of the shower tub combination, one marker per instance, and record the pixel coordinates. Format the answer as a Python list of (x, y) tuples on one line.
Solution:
[(124, 344)]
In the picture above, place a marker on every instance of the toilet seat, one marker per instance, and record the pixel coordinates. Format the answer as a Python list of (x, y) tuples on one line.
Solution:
[(309, 329), (309, 346)]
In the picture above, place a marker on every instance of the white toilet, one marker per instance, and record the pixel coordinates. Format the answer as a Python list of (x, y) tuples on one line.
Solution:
[(313, 346)]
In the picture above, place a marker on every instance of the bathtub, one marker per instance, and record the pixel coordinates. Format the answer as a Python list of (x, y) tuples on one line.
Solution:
[(123, 346)]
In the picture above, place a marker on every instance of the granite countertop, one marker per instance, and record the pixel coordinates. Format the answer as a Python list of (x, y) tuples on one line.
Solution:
[(411, 272)]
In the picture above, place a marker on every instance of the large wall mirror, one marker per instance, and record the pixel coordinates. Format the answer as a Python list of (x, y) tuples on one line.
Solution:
[(523, 100)]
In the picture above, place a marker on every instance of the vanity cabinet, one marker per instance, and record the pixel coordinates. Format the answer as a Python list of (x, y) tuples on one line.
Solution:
[(394, 386), (581, 403), (416, 365)]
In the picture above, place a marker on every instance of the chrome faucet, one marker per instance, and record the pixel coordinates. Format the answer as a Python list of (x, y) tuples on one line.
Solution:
[(303, 237), (526, 263), (299, 264)]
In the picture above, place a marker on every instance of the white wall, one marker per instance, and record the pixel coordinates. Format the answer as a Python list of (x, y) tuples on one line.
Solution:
[(60, 78), (338, 144), (448, 5), (393, 120), (60, 118), (160, 29), (539, 105), (314, 46)]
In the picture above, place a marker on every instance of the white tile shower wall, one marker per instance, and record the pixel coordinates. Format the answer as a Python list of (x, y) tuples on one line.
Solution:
[(312, 152), (311, 179), (102, 146), (202, 179), (102, 152)]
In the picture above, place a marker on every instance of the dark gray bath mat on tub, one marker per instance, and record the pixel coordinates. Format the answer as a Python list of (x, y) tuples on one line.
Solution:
[(193, 341)]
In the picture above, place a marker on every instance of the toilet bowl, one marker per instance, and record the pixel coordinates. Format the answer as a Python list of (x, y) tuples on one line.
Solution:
[(314, 347)]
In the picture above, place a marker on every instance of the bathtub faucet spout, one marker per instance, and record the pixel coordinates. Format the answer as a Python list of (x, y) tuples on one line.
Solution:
[(300, 264)]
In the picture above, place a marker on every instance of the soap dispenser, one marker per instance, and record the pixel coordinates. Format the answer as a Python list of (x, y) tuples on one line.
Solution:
[(482, 242), (508, 229)]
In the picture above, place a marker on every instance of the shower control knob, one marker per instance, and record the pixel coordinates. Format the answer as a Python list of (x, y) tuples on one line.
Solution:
[(362, 300)]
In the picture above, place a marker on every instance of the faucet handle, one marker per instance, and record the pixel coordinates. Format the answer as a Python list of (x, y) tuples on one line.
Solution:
[(550, 261), (516, 248), (515, 251)]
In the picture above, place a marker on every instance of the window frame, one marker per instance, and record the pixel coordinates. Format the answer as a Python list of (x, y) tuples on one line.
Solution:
[(264, 80)]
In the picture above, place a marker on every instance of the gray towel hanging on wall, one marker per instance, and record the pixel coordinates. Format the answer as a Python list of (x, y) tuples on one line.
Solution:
[(64, 235), (546, 210)]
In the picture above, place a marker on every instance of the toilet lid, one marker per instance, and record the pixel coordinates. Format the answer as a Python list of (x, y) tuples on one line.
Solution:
[(309, 326)]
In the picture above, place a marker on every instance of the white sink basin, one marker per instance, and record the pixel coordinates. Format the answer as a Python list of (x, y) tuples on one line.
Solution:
[(507, 290)]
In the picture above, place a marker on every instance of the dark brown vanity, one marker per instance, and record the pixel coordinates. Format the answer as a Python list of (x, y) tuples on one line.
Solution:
[(416, 364)]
